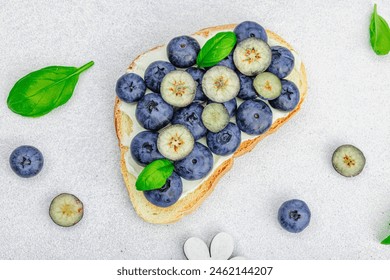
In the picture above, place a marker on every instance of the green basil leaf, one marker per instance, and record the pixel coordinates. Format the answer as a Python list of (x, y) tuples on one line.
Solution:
[(39, 92), (216, 49), (154, 175), (386, 241), (379, 34)]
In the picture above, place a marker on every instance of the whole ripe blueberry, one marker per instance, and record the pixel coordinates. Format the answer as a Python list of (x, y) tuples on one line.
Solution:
[(228, 62), (197, 75), (288, 99), (155, 73), (231, 106), (294, 215), (282, 62), (143, 148), (191, 117), (247, 91), (26, 161), (153, 112), (130, 88), (197, 164), (182, 51), (168, 194), (226, 141), (254, 117), (249, 29)]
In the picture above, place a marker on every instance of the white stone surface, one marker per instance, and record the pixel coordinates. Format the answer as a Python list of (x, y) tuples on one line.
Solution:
[(348, 102)]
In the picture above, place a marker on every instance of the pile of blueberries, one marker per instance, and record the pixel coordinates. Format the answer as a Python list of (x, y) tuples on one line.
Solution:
[(253, 116)]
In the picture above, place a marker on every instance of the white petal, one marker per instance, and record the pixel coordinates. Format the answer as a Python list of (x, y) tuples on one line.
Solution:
[(196, 249), (222, 246), (238, 258)]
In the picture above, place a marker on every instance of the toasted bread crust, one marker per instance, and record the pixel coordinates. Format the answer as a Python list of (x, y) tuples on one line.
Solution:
[(186, 205)]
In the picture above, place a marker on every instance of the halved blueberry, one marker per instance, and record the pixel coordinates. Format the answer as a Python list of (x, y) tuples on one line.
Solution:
[(143, 148), (288, 99), (231, 106), (191, 117), (282, 62), (155, 73), (294, 215), (182, 51), (226, 141), (197, 164), (168, 194), (197, 75), (26, 161), (153, 112), (254, 117), (249, 29), (130, 88)]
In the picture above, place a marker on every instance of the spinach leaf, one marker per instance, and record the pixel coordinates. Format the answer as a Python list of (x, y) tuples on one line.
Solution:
[(154, 175), (39, 92), (379, 34), (386, 241), (216, 49)]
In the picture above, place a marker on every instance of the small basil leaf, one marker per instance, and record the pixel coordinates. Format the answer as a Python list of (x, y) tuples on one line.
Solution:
[(386, 241), (216, 49), (39, 92), (154, 175), (379, 34)]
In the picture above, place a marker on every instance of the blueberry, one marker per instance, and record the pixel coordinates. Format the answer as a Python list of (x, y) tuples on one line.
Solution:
[(226, 141), (144, 148), (247, 91), (294, 215), (249, 29), (288, 99), (182, 51), (155, 72), (168, 194), (153, 112), (282, 62), (254, 117), (231, 106), (197, 164), (197, 75), (130, 88), (191, 117), (228, 62), (26, 161)]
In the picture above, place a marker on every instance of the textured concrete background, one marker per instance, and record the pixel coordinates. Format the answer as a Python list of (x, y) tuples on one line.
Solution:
[(348, 102)]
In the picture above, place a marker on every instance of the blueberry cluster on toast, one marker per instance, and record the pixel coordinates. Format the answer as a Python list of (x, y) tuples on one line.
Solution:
[(191, 121)]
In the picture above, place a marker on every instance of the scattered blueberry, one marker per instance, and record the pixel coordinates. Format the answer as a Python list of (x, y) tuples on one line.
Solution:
[(155, 72), (197, 75), (197, 164), (153, 112), (254, 117), (26, 161), (249, 29), (294, 215), (182, 51), (130, 88), (228, 62), (144, 148), (247, 91), (191, 117), (288, 99), (282, 62), (168, 194), (226, 141), (231, 106)]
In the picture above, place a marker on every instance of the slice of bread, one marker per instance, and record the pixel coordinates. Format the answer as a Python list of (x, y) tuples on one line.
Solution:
[(124, 125)]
